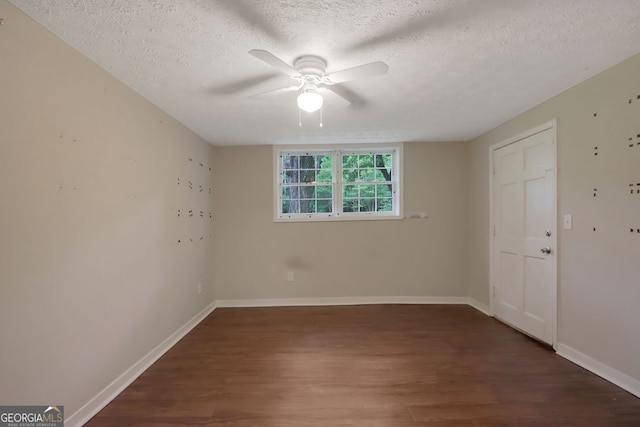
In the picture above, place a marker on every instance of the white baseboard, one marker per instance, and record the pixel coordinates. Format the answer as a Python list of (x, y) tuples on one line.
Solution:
[(293, 302), (93, 406), (610, 374), (478, 306)]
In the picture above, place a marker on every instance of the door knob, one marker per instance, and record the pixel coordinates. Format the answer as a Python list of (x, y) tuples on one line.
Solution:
[(546, 250)]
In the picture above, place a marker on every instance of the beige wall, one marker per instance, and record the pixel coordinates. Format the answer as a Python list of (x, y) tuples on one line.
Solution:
[(91, 274), (599, 272), (412, 257)]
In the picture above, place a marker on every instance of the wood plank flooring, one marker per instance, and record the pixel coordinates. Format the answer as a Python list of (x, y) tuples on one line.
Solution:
[(376, 365)]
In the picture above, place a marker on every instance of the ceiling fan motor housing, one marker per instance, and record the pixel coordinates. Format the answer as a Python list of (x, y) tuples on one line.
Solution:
[(310, 65)]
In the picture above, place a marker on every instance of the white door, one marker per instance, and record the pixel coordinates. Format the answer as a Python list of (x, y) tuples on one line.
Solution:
[(523, 273)]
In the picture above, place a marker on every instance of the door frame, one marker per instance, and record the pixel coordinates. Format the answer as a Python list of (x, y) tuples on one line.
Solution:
[(552, 124)]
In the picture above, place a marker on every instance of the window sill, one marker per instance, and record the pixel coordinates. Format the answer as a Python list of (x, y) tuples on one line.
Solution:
[(333, 218)]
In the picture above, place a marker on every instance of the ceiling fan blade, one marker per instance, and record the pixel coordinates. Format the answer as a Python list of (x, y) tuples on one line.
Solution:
[(334, 98), (274, 61), (248, 14), (276, 91), (355, 100), (243, 84), (361, 71)]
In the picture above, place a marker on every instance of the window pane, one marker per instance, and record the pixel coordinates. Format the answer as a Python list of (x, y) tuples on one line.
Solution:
[(350, 205), (289, 192), (307, 206), (384, 190), (349, 161), (350, 191), (380, 175), (290, 162), (366, 175), (367, 205), (324, 206), (367, 191), (350, 175), (290, 206), (307, 192), (324, 192), (324, 175), (325, 162), (385, 205), (383, 160), (307, 176), (307, 162), (291, 176), (365, 161)]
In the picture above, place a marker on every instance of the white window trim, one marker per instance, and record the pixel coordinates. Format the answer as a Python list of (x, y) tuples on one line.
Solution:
[(398, 165)]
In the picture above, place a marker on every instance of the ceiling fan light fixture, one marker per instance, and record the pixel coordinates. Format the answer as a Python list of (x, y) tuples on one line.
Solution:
[(310, 100)]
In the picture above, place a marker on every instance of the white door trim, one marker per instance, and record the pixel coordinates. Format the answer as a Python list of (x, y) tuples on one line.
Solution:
[(552, 124)]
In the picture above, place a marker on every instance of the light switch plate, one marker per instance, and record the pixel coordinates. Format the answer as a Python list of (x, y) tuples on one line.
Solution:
[(567, 222)]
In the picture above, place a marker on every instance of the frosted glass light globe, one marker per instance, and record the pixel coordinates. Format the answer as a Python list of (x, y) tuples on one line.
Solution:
[(310, 101)]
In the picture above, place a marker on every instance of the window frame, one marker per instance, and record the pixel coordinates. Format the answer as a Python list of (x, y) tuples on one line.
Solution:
[(337, 151)]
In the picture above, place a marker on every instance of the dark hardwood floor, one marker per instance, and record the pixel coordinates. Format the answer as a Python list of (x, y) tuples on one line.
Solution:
[(377, 365)]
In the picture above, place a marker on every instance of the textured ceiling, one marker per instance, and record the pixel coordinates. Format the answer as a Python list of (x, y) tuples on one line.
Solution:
[(457, 68)]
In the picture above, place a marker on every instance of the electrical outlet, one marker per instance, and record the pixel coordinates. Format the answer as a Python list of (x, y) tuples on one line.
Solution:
[(567, 222), (199, 288), (290, 276)]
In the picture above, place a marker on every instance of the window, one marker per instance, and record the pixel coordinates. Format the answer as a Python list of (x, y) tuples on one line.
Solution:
[(361, 182)]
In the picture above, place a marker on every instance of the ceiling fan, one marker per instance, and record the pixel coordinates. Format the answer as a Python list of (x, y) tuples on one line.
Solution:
[(311, 79)]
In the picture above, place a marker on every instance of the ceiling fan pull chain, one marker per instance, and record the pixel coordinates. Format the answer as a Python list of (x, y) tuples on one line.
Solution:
[(320, 116), (299, 117)]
